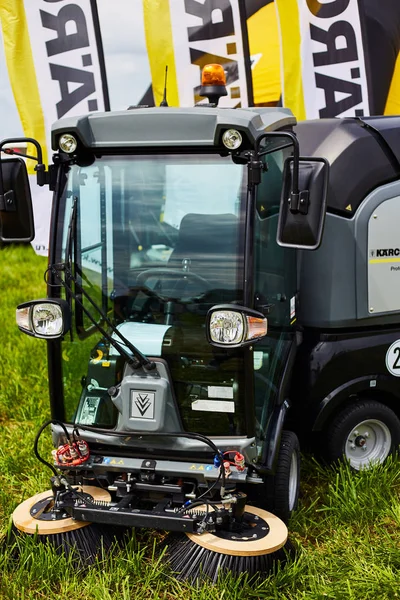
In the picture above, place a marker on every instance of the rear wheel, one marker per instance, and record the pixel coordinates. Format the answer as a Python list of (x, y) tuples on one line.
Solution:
[(363, 434), (280, 492)]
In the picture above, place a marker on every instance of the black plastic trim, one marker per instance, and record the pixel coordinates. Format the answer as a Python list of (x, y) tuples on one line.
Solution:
[(273, 436), (392, 158), (113, 515)]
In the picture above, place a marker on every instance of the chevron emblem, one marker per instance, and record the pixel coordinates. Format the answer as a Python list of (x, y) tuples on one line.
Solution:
[(143, 403), (142, 406)]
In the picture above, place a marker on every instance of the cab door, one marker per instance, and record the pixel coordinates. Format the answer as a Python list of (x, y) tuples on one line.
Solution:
[(275, 283)]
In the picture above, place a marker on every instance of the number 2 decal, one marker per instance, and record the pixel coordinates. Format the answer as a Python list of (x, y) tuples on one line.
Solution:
[(393, 359), (396, 362)]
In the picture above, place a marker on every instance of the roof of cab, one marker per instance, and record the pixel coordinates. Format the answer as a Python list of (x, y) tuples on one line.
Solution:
[(147, 127)]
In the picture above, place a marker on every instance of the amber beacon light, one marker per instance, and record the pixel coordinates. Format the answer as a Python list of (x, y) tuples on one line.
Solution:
[(213, 83), (213, 75)]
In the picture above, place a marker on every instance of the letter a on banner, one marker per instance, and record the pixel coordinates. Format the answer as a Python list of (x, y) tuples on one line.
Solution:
[(323, 59)]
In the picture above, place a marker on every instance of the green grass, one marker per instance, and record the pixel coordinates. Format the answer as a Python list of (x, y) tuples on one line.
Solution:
[(347, 528)]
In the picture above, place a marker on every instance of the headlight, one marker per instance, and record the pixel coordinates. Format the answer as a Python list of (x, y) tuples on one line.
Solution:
[(226, 327), (68, 143), (48, 319), (235, 326)]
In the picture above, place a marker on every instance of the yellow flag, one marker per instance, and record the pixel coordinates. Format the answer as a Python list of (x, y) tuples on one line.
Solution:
[(22, 74)]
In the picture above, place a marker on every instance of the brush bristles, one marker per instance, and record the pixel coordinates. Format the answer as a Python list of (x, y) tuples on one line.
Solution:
[(193, 563), (84, 546)]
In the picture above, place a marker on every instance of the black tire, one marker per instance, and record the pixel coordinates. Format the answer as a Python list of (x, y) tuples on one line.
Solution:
[(367, 424), (280, 492)]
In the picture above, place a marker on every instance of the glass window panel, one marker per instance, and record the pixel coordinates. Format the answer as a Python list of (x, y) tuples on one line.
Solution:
[(159, 242), (275, 290)]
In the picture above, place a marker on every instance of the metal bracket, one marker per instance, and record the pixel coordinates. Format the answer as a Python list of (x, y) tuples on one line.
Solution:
[(148, 470), (7, 202), (254, 169), (299, 202), (149, 465)]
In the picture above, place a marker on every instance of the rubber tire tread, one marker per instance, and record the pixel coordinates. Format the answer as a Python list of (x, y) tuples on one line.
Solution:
[(274, 494), (347, 419)]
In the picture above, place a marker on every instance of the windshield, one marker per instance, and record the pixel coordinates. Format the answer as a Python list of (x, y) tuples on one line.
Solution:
[(177, 214), (158, 242)]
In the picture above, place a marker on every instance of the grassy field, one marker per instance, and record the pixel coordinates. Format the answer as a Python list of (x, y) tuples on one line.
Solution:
[(347, 528)]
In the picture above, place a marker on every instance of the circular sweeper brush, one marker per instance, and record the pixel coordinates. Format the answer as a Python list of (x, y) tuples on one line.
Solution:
[(37, 516), (254, 548)]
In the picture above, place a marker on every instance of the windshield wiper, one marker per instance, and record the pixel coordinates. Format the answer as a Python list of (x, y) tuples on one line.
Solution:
[(139, 360), (69, 242), (71, 232)]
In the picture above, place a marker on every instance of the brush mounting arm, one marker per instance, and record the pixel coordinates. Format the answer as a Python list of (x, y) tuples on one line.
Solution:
[(195, 518), (221, 522), (132, 517)]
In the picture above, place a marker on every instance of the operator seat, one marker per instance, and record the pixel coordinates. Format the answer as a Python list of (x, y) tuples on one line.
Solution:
[(208, 246)]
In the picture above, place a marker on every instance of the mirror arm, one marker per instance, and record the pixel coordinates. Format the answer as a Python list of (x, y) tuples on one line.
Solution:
[(276, 148), (29, 141), (298, 199), (14, 153), (41, 173)]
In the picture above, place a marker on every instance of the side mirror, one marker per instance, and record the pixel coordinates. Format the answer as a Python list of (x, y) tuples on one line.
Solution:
[(16, 214), (302, 210)]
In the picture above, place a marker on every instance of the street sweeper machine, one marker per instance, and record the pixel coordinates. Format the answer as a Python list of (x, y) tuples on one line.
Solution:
[(181, 241)]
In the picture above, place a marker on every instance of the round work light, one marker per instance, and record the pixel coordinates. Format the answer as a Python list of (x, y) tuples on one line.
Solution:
[(68, 143), (231, 139)]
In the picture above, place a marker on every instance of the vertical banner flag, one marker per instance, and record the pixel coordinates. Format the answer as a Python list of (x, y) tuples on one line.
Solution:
[(185, 35), (381, 28), (264, 47), (55, 70), (324, 71)]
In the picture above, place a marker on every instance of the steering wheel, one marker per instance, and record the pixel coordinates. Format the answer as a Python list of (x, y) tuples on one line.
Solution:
[(162, 271)]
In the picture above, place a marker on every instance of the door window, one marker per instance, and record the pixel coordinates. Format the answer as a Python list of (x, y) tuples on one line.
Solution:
[(274, 288)]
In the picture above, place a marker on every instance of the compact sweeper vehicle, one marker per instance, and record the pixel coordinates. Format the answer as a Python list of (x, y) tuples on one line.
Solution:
[(167, 413), (192, 309)]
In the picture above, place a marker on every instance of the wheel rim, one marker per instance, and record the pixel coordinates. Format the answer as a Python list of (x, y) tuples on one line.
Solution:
[(368, 443), (293, 481)]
